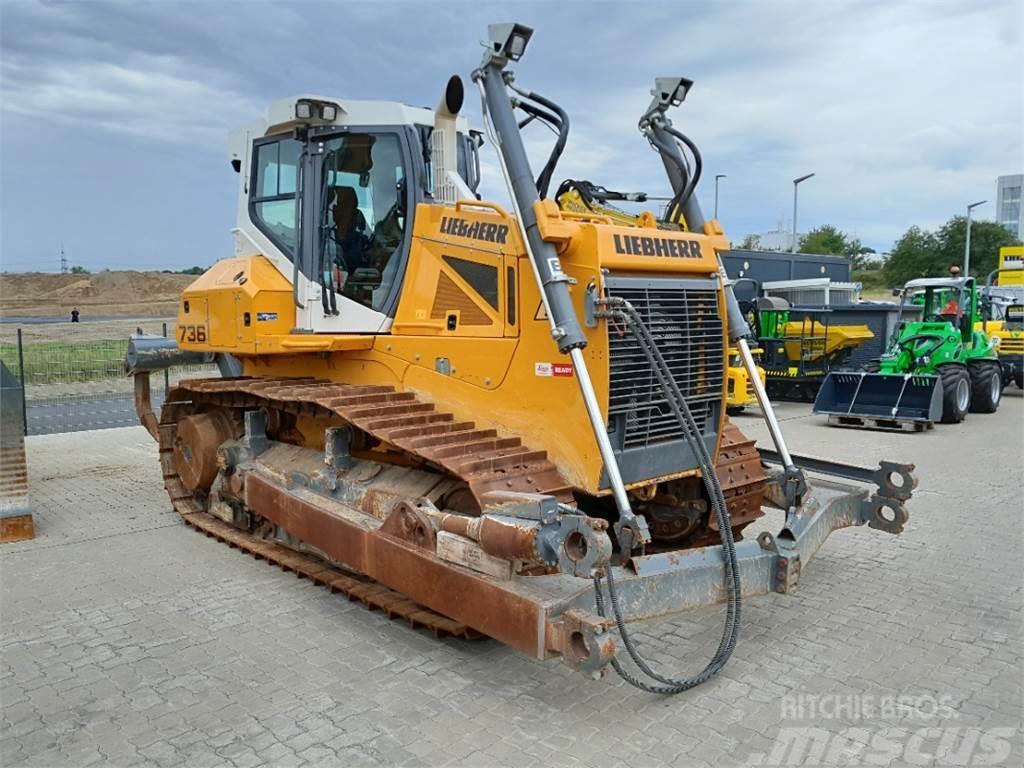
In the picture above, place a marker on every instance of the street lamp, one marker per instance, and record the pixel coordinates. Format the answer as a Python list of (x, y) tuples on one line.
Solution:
[(967, 242), (717, 177), (795, 183)]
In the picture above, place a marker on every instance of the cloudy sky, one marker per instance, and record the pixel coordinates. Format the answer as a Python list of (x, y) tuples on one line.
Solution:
[(113, 117)]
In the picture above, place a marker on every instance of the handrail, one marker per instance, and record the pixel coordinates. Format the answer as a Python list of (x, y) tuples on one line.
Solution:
[(460, 204)]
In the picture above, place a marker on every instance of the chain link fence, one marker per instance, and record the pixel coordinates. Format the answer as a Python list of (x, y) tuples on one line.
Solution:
[(78, 384)]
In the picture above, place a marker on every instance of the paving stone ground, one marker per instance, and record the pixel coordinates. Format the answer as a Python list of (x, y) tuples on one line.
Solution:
[(128, 639)]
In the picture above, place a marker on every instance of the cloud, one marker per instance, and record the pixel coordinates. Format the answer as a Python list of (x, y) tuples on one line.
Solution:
[(151, 98), (904, 111), (120, 71)]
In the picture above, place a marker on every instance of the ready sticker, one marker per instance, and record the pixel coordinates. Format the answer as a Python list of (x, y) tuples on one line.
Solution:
[(552, 369)]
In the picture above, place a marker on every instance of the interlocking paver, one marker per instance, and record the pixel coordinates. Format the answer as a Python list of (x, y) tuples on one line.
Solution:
[(128, 639)]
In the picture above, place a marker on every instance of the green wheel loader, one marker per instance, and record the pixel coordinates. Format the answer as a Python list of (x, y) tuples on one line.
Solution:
[(934, 369)]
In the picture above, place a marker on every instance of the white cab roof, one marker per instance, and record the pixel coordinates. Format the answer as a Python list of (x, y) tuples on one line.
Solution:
[(935, 282), (280, 118)]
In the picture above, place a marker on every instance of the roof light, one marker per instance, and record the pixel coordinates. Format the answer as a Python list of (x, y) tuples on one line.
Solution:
[(329, 112), (303, 110)]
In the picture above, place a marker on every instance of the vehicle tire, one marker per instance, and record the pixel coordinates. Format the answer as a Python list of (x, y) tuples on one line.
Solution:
[(956, 393), (986, 387), (872, 366), (1018, 379)]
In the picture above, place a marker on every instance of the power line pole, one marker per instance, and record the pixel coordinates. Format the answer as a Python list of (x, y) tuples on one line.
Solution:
[(63, 261)]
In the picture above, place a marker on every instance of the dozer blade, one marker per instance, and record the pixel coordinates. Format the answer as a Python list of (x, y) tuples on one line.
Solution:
[(880, 400)]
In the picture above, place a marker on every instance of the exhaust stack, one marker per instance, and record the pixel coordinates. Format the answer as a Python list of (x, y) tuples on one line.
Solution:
[(444, 151)]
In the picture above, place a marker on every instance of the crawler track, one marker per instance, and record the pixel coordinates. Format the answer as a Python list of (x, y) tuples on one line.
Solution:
[(357, 587), (478, 457)]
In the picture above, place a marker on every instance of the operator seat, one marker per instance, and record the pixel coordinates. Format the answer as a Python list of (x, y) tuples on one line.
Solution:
[(350, 227)]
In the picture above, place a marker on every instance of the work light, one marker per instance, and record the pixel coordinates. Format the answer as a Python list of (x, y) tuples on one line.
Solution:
[(671, 91), (509, 40)]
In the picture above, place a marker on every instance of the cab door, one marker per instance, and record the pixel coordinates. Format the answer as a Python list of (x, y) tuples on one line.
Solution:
[(334, 208)]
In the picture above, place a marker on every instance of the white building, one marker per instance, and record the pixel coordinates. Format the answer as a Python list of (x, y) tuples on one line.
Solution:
[(779, 239), (1009, 211)]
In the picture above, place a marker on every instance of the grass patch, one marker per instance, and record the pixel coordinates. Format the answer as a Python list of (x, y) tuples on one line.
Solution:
[(53, 362)]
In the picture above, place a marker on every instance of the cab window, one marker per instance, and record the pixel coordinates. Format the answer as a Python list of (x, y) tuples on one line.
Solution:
[(364, 219), (273, 193)]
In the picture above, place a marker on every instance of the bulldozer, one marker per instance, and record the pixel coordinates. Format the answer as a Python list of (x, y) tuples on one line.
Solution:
[(489, 422), (934, 369)]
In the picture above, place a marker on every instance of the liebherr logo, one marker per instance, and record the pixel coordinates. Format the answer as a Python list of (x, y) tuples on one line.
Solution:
[(669, 247), (477, 230)]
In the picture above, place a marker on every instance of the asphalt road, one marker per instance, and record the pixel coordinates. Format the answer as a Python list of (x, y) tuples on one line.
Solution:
[(84, 412)]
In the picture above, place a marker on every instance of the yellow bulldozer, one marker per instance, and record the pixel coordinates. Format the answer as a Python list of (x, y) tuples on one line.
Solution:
[(507, 423)]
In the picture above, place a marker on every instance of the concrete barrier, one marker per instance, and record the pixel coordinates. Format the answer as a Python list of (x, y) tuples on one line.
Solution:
[(15, 512)]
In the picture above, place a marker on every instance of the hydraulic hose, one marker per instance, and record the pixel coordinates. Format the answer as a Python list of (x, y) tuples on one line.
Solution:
[(537, 113), (561, 130), (698, 166), (583, 188), (680, 408), (562, 117), (683, 195)]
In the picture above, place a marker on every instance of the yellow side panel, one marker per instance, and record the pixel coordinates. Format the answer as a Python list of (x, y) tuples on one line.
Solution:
[(455, 283), (233, 304)]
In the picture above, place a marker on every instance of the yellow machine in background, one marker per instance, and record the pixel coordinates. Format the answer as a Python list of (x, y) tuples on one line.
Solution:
[(1008, 335), (829, 340), (1011, 265), (1003, 309), (739, 392), (798, 354)]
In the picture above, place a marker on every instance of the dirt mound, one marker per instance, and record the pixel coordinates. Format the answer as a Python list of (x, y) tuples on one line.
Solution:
[(79, 289), (142, 294)]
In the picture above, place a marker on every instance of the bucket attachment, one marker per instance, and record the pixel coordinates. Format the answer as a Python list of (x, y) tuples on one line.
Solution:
[(880, 400)]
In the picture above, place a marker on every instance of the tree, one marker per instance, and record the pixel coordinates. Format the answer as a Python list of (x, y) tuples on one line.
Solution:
[(825, 240), (916, 254), (987, 238), (192, 271), (76, 270), (921, 253), (831, 241), (750, 243)]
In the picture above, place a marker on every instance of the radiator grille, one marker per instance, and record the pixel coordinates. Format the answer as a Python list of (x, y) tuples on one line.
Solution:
[(685, 323), (1009, 345)]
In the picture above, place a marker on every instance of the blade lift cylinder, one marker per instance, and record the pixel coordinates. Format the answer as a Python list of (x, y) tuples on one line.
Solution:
[(656, 126), (553, 283)]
